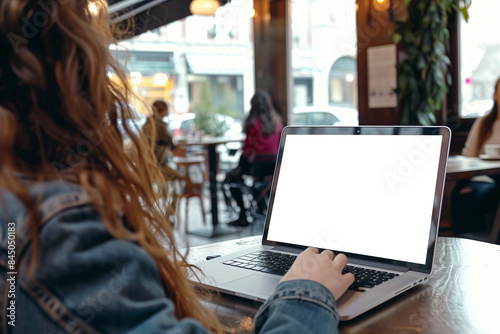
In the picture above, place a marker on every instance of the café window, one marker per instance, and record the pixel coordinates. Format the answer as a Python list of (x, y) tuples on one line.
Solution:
[(302, 92), (217, 92), (480, 55), (342, 85), (324, 53), (194, 61)]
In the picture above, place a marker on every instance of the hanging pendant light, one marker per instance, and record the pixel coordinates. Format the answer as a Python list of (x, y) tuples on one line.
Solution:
[(381, 5), (204, 7)]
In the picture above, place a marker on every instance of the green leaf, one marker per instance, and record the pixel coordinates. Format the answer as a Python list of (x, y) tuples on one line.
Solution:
[(396, 38), (426, 20), (432, 118), (428, 79), (465, 13), (439, 49), (436, 18), (424, 71), (430, 101), (438, 77), (432, 7), (446, 60), (449, 80), (426, 44), (437, 106), (421, 62), (422, 118), (446, 34)]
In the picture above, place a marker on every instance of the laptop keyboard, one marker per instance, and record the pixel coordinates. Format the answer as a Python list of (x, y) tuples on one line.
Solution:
[(264, 261), (279, 263), (367, 278)]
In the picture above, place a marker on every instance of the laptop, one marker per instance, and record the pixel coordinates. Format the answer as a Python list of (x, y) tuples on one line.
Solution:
[(371, 192)]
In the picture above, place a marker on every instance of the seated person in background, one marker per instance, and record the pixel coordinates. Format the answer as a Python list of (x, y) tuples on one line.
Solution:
[(474, 202), (163, 140), (89, 221), (163, 143), (263, 129)]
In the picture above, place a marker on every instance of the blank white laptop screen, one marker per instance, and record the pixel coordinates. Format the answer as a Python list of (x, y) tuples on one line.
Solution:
[(369, 195)]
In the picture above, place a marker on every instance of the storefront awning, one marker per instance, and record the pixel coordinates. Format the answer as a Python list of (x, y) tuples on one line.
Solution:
[(199, 63), (148, 14), (146, 62)]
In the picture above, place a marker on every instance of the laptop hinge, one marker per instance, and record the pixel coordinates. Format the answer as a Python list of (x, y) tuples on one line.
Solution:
[(378, 265)]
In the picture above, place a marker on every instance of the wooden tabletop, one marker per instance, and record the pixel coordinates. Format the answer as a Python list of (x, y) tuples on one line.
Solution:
[(460, 167), (460, 296)]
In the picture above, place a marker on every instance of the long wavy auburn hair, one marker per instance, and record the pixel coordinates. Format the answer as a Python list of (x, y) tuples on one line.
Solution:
[(486, 126), (59, 88)]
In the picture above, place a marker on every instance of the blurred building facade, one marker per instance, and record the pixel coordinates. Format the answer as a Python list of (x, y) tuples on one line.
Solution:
[(209, 61)]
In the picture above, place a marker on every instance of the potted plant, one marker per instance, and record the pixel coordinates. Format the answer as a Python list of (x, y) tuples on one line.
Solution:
[(424, 77), (210, 118)]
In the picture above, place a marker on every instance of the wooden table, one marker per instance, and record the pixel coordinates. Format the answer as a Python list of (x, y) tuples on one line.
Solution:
[(460, 167), (210, 143), (460, 296)]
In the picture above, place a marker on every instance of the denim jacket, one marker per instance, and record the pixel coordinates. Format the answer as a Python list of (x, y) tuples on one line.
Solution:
[(86, 281)]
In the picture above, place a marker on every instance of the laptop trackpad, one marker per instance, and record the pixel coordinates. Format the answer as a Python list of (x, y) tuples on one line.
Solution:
[(258, 285)]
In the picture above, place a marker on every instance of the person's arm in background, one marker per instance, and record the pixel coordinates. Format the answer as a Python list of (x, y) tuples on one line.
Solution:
[(470, 147)]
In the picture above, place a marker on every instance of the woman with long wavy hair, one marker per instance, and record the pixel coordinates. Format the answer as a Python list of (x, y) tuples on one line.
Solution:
[(262, 128), (84, 243), (473, 202), (485, 130)]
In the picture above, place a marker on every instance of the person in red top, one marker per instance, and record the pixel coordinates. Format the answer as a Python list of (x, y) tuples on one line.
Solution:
[(263, 129)]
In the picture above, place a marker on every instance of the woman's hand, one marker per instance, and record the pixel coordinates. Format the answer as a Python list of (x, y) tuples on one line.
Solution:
[(324, 268)]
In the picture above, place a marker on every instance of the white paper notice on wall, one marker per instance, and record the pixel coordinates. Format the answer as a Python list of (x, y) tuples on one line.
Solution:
[(382, 76)]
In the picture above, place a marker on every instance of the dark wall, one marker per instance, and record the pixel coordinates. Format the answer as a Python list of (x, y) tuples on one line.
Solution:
[(374, 29)]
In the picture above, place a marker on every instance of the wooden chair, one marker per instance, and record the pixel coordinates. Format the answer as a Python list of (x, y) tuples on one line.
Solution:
[(191, 172)]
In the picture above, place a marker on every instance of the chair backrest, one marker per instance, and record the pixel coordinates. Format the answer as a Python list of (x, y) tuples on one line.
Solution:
[(195, 174), (178, 151), (191, 172)]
